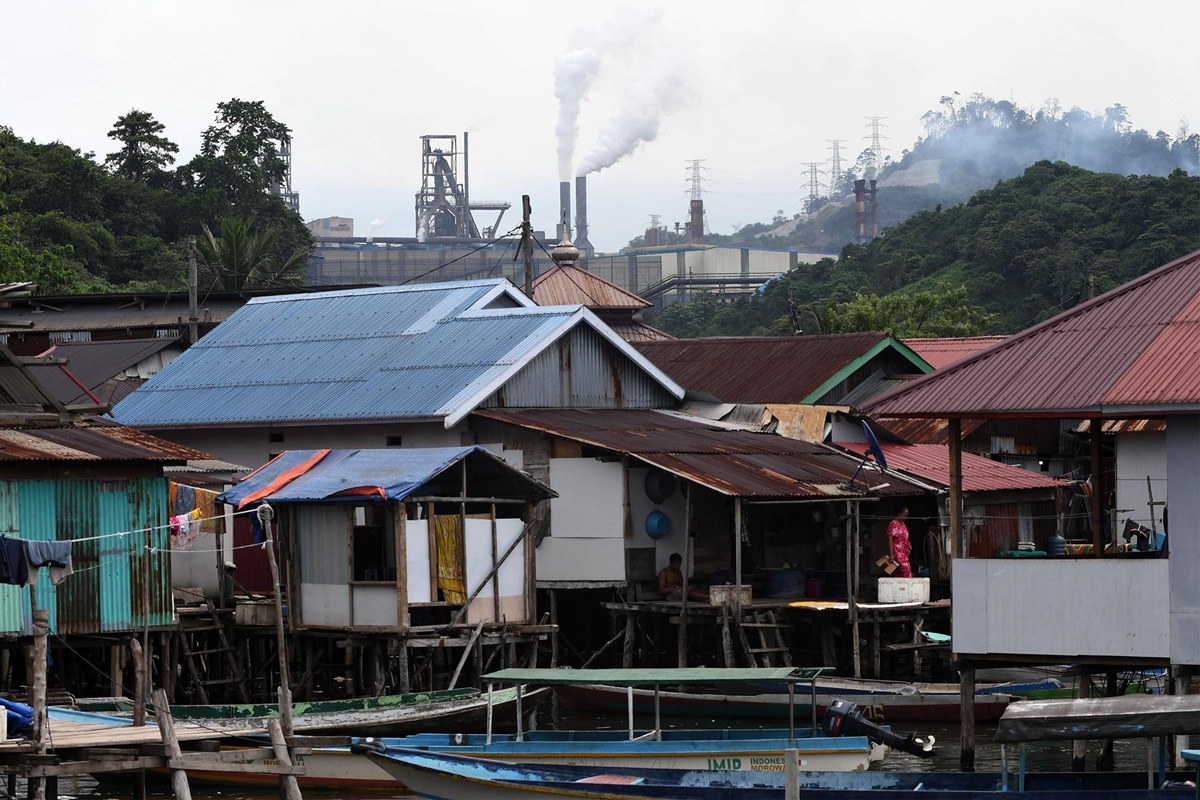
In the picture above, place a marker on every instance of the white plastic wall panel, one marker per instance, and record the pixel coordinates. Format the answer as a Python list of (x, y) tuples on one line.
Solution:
[(374, 605), (1183, 464), (511, 584), (322, 534), (1062, 608), (1140, 455), (325, 604), (580, 560), (417, 539), (590, 499)]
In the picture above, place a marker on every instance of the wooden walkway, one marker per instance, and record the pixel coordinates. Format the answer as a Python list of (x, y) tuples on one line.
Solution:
[(72, 735)]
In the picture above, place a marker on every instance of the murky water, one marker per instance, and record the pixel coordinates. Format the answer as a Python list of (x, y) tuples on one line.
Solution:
[(1130, 755)]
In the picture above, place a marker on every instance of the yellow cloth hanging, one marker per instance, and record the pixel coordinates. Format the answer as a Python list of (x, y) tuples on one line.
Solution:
[(449, 532)]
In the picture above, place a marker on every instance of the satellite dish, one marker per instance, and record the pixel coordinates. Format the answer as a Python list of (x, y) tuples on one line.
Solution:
[(873, 446)]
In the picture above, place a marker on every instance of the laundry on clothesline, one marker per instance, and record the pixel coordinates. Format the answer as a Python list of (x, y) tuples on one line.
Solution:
[(54, 555), (184, 528), (14, 563)]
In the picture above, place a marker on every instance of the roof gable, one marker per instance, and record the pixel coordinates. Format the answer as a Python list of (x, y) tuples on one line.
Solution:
[(433, 351), (1133, 350), (567, 284)]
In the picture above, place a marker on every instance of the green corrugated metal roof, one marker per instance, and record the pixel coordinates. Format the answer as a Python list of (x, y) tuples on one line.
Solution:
[(651, 677)]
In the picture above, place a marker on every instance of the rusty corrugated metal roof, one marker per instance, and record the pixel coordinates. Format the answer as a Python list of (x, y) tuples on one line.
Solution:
[(915, 430), (765, 369), (93, 440), (945, 351), (1131, 352), (568, 285), (1124, 426), (931, 462), (738, 463)]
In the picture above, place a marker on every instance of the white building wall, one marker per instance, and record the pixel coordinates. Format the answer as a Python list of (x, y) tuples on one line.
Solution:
[(1140, 455), (1063, 608), (587, 528), (1183, 464)]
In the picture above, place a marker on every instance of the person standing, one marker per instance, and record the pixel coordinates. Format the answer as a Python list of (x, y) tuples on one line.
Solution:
[(898, 543)]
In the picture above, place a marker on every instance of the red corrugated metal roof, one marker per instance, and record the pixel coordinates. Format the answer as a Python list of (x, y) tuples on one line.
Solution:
[(733, 462), (758, 369), (931, 462), (1133, 351), (568, 285), (945, 351)]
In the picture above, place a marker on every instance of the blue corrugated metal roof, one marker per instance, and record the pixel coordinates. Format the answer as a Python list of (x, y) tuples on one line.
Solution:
[(383, 474), (399, 352)]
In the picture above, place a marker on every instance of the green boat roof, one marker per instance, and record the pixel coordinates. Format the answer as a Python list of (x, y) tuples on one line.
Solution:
[(652, 677)]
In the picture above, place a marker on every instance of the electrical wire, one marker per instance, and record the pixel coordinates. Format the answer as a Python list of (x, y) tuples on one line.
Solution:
[(429, 272)]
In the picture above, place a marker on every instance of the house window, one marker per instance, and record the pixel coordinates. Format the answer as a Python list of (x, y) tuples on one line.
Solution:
[(393, 441), (374, 546)]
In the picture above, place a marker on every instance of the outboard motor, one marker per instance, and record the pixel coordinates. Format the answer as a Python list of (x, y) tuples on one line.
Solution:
[(844, 718)]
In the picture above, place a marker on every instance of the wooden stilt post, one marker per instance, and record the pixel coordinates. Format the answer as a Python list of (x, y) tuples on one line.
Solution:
[(179, 781), (405, 677), (966, 690), (852, 586), (1097, 495), (139, 682), (554, 622), (630, 639), (737, 551), (265, 515), (288, 788), (41, 729), (682, 643), (1084, 691)]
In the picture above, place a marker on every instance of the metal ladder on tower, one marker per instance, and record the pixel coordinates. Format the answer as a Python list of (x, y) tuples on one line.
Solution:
[(196, 667)]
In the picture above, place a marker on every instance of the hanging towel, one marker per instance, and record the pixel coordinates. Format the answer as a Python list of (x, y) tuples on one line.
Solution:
[(450, 577), (52, 554), (185, 498), (206, 504), (14, 564), (184, 528)]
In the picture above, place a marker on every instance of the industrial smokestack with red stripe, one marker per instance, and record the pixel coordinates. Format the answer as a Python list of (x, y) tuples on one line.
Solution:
[(581, 220)]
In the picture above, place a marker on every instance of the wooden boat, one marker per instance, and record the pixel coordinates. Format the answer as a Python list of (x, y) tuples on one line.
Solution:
[(388, 715), (882, 701), (440, 776)]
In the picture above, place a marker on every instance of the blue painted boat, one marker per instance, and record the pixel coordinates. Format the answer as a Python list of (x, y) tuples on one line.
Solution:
[(440, 776)]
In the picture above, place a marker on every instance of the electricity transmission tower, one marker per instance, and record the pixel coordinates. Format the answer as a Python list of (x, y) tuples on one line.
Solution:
[(696, 177), (835, 165), (814, 183), (876, 138)]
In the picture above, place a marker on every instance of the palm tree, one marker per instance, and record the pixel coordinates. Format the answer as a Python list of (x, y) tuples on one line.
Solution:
[(241, 259)]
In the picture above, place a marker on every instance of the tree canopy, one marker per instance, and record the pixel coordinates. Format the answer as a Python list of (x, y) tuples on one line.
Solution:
[(75, 225)]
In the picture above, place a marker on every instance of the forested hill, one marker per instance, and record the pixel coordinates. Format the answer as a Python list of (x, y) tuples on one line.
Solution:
[(1008, 257)]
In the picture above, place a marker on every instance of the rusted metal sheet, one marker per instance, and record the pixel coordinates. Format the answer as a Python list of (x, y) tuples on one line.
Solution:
[(569, 285), (733, 462), (92, 441), (1130, 349), (755, 369), (12, 598), (946, 351), (1124, 426), (931, 462)]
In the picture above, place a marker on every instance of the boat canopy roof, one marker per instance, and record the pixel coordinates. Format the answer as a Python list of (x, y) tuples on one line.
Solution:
[(1127, 717), (653, 677)]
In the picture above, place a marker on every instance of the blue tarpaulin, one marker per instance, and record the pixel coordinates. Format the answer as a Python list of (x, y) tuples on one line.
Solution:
[(383, 474)]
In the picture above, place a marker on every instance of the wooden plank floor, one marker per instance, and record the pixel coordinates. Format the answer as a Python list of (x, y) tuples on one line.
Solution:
[(66, 734)]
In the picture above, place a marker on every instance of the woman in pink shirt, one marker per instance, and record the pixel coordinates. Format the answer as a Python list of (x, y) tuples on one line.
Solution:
[(898, 543)]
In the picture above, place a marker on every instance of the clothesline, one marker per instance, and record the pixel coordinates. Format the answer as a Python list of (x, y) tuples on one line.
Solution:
[(147, 530)]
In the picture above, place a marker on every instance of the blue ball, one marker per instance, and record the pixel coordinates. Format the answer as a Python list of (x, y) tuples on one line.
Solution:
[(658, 525)]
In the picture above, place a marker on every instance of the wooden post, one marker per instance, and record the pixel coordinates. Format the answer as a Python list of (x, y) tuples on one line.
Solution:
[(431, 532), (554, 622), (682, 643), (41, 724), (288, 788), (791, 772), (400, 532), (852, 586), (966, 690), (954, 433), (115, 666), (162, 713), (265, 514), (495, 564), (737, 553), (727, 637), (402, 668), (1079, 746), (630, 639), (139, 682), (1097, 493)]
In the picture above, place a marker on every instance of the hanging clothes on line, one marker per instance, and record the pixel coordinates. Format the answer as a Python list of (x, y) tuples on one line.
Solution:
[(184, 528), (14, 563), (54, 555)]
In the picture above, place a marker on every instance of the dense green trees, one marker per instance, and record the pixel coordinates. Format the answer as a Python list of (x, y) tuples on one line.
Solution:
[(1010, 256), (73, 224)]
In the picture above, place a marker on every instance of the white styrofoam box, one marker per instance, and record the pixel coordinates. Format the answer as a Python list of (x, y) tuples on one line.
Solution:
[(904, 590), (725, 595)]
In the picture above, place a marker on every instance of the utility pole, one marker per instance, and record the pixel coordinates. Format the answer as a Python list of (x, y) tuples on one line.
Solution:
[(527, 244), (193, 291), (835, 165)]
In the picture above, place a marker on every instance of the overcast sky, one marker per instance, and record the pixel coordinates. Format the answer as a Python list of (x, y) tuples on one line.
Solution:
[(755, 88)]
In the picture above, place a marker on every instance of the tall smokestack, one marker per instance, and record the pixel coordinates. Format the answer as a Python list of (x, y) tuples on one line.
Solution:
[(874, 209), (581, 223), (860, 211), (564, 211), (695, 224)]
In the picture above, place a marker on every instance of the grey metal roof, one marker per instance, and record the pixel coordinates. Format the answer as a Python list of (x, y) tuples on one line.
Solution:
[(401, 352)]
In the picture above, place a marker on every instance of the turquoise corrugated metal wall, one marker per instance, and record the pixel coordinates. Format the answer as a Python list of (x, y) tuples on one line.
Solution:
[(106, 592), (12, 598)]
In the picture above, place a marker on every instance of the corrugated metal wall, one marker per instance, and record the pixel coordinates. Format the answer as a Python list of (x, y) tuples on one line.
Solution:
[(581, 370), (105, 592)]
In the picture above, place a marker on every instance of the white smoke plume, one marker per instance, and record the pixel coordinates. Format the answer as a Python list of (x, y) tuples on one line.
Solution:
[(573, 76), (578, 69), (634, 124), (374, 225)]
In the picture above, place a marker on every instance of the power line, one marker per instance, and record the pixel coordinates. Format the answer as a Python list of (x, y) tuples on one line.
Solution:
[(460, 258)]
